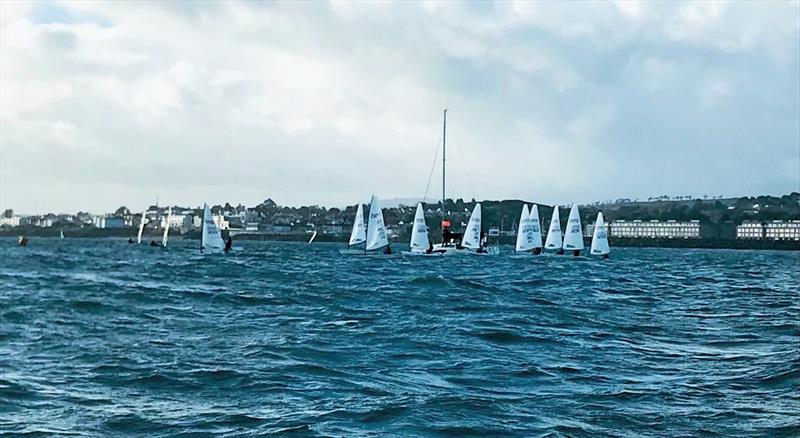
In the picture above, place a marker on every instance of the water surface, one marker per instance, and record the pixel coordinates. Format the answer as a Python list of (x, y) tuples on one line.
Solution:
[(98, 338)]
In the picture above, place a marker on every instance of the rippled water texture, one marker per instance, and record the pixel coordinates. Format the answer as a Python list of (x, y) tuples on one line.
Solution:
[(100, 338)]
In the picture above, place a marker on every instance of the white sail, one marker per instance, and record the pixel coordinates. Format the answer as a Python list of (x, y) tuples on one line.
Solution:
[(573, 236), (141, 227), (600, 237), (211, 238), (554, 233), (359, 233), (376, 229), (524, 240), (472, 235), (166, 228), (313, 236), (536, 226), (419, 232), (61, 233)]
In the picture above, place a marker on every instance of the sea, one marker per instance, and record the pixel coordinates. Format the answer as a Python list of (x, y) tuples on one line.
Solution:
[(100, 338)]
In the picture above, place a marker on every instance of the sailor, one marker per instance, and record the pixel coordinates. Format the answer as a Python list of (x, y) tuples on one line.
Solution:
[(22, 241), (605, 256), (154, 243), (430, 248), (576, 252), (228, 244), (388, 249), (130, 240), (537, 251), (560, 251)]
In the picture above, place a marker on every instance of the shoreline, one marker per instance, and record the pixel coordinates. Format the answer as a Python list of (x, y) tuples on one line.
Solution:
[(124, 233)]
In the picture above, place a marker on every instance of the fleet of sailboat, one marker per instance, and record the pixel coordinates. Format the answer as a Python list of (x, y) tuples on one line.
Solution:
[(370, 236)]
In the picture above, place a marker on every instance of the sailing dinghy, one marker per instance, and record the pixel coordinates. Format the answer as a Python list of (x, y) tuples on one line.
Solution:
[(554, 240), (142, 222), (358, 235), (210, 236), (377, 238), (529, 233), (166, 228), (420, 244), (573, 237), (600, 238)]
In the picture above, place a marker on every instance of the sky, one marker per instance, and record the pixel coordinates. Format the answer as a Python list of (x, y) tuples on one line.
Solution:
[(104, 104)]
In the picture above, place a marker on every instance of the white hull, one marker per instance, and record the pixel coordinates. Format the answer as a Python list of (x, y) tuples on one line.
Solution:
[(362, 253)]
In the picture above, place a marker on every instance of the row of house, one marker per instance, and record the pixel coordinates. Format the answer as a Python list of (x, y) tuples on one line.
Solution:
[(773, 230)]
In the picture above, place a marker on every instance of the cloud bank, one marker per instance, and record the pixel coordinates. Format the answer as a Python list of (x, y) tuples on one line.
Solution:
[(106, 103)]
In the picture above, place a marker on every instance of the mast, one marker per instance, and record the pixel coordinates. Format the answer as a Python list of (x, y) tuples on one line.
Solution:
[(444, 155)]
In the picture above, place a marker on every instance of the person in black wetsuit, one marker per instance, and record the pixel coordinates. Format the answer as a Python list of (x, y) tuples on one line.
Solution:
[(605, 256), (228, 244), (388, 249), (154, 243), (430, 248), (576, 252), (130, 240), (537, 251)]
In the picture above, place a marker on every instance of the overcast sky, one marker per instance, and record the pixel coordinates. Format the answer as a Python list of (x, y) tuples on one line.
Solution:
[(110, 103)]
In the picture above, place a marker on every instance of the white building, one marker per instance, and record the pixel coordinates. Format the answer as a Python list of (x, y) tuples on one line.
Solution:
[(655, 229), (750, 230), (12, 221), (782, 230)]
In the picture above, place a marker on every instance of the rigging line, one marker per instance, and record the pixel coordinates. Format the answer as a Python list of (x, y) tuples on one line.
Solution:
[(433, 166)]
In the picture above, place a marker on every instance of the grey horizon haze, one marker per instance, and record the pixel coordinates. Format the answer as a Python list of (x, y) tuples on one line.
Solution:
[(111, 103)]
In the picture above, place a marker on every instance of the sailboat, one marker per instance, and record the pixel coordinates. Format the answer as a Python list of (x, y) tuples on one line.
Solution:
[(61, 234), (573, 237), (210, 236), (455, 243), (142, 222), (600, 238), (166, 228), (313, 236), (377, 237), (420, 245), (358, 235), (529, 233), (536, 229), (554, 239)]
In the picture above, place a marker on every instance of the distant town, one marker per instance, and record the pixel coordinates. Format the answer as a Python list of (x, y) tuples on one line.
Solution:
[(745, 222)]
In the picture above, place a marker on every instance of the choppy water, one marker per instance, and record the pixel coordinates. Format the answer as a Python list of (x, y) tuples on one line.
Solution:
[(101, 339)]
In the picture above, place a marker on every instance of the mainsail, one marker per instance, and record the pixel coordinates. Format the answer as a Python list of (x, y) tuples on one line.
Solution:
[(600, 237), (573, 237), (376, 229), (536, 226), (166, 228), (554, 233), (211, 238), (359, 233), (419, 232), (524, 240), (141, 227), (472, 235)]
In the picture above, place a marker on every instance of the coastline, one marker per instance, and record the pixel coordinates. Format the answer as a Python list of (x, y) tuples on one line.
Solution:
[(782, 245)]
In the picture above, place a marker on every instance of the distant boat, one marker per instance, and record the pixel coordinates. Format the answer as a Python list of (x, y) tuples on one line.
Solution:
[(141, 227), (358, 235), (524, 232), (420, 244), (313, 236), (536, 229), (166, 228), (22, 241), (61, 234), (573, 237), (471, 241), (210, 236), (377, 237), (600, 238), (554, 239)]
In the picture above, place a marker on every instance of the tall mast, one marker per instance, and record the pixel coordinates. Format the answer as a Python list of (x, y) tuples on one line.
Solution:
[(444, 155)]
